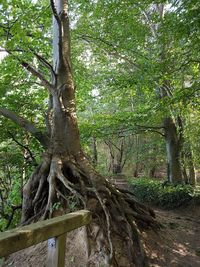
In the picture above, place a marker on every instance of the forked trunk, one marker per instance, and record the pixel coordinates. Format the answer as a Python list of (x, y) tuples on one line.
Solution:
[(65, 173), (117, 160)]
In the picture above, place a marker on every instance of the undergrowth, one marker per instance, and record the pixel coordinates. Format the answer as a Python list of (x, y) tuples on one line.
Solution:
[(163, 194)]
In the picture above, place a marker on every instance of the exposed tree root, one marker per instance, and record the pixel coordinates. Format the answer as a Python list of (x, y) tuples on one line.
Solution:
[(117, 217)]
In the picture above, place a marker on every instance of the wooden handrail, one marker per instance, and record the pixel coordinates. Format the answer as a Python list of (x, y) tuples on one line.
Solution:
[(19, 238)]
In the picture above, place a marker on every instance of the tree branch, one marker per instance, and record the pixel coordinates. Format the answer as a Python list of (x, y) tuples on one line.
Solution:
[(150, 127), (26, 148), (28, 126), (109, 141), (46, 64), (136, 129), (115, 52), (55, 13), (60, 29), (150, 24), (14, 208), (37, 74), (153, 129)]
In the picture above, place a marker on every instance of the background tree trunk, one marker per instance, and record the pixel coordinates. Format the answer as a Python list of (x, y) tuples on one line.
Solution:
[(173, 151), (191, 167)]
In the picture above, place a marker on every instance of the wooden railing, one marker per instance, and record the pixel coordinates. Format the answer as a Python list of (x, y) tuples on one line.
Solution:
[(54, 230)]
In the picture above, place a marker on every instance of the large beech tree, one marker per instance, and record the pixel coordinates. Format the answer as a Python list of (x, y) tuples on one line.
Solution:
[(64, 170)]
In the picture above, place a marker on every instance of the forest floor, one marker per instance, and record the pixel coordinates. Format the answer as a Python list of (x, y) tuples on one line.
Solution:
[(176, 244)]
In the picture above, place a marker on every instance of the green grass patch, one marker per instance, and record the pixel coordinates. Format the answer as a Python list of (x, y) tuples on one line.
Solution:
[(163, 194)]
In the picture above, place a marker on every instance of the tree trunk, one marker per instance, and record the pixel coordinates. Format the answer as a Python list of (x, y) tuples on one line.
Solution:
[(112, 157), (120, 158), (192, 173), (173, 151), (135, 173), (95, 153), (152, 172), (186, 156), (65, 172), (137, 147), (115, 164), (117, 157)]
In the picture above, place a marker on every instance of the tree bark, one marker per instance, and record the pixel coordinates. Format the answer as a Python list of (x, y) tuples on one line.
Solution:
[(191, 167), (95, 152), (173, 151), (192, 173)]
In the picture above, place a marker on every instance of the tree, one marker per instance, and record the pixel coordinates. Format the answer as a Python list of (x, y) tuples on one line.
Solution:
[(65, 171), (146, 51)]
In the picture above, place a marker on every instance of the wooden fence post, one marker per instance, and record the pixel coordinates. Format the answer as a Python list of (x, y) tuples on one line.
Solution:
[(54, 230), (56, 251)]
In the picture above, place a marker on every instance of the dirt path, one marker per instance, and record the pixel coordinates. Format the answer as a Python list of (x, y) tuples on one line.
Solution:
[(178, 243)]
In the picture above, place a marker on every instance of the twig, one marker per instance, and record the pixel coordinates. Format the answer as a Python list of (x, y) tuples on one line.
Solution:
[(14, 208), (46, 64), (37, 74), (25, 147)]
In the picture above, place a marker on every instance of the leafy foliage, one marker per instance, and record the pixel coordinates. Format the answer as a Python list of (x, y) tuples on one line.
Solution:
[(161, 193)]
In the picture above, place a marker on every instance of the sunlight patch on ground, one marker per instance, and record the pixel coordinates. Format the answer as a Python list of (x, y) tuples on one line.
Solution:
[(181, 249)]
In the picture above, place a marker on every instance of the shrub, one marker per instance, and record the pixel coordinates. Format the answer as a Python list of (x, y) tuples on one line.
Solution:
[(161, 193)]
